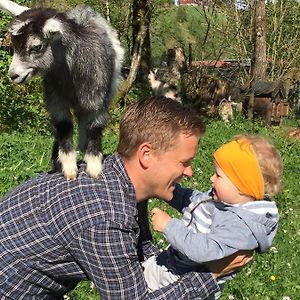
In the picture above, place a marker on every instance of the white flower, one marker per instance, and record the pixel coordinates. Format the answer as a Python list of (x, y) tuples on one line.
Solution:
[(249, 271), (231, 297), (274, 250), (286, 298)]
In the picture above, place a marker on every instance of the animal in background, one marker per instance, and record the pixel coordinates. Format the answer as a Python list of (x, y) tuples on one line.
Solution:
[(79, 56), (225, 110), (160, 88)]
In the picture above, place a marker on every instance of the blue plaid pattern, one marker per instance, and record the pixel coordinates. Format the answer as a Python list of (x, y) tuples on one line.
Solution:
[(55, 233)]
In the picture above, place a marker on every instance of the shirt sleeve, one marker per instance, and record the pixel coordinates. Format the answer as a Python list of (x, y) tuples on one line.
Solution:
[(181, 197), (108, 256), (145, 247)]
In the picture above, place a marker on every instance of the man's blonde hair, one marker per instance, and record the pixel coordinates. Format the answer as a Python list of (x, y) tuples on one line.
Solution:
[(269, 161), (157, 120)]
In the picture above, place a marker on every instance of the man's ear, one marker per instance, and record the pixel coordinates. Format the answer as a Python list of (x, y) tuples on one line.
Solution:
[(145, 153)]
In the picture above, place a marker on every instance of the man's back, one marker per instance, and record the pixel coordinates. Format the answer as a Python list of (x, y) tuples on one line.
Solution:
[(43, 228)]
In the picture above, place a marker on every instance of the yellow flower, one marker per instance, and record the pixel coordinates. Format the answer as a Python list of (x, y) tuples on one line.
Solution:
[(273, 278)]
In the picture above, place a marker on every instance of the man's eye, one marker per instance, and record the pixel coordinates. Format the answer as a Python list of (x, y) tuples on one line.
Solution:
[(186, 164)]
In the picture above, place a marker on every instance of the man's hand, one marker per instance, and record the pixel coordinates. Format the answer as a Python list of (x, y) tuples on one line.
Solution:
[(232, 263), (159, 219)]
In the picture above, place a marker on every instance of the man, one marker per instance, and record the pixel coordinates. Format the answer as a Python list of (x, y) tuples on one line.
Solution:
[(54, 233)]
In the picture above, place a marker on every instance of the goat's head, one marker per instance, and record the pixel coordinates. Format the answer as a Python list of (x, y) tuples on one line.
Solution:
[(32, 32), (151, 76)]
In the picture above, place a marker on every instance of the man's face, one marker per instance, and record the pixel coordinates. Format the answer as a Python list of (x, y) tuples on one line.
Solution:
[(169, 167)]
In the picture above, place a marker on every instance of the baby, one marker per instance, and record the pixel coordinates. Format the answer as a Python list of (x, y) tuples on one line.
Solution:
[(236, 214)]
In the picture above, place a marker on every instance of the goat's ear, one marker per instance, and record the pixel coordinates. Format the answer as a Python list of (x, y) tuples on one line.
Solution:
[(12, 8), (53, 28)]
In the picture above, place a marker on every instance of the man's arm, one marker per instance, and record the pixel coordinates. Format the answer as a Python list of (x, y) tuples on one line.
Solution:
[(229, 264), (108, 256), (145, 246), (182, 197)]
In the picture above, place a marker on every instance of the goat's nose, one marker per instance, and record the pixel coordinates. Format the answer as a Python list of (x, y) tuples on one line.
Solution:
[(13, 76)]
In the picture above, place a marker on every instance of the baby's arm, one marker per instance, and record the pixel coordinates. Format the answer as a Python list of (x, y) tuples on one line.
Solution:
[(222, 241)]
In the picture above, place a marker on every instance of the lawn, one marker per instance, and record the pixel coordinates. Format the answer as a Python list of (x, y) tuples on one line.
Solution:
[(273, 275)]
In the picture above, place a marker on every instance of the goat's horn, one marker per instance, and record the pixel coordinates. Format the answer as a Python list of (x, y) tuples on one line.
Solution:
[(12, 7)]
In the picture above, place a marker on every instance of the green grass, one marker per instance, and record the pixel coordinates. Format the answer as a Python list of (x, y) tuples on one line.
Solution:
[(273, 275), (179, 27)]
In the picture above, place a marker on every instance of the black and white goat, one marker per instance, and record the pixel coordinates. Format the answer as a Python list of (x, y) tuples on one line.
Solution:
[(160, 88), (79, 56)]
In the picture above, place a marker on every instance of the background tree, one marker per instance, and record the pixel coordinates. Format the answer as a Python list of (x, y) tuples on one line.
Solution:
[(259, 62), (141, 19)]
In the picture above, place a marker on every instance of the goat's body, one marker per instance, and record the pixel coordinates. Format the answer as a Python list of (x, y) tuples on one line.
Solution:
[(81, 70)]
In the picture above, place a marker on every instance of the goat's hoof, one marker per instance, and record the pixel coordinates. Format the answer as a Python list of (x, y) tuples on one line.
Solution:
[(94, 171), (70, 174), (93, 165), (68, 164)]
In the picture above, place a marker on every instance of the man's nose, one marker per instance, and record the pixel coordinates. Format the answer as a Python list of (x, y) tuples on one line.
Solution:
[(188, 171)]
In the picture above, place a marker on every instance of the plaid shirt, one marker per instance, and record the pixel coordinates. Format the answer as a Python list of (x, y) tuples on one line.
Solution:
[(54, 233)]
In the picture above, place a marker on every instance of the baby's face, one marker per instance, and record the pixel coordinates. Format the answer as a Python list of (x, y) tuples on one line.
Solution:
[(224, 190)]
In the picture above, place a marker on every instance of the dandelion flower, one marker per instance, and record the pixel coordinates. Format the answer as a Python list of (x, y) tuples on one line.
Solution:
[(273, 278)]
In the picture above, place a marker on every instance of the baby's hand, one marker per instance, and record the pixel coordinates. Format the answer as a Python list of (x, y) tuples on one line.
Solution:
[(159, 219)]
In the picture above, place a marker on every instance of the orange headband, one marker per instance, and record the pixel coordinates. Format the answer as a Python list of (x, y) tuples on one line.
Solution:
[(237, 160)]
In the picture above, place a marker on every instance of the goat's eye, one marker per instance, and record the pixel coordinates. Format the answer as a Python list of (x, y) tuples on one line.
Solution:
[(36, 48)]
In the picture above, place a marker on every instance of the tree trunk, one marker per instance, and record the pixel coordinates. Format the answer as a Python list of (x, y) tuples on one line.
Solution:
[(141, 16), (135, 64), (177, 65), (107, 11), (141, 19), (260, 59), (259, 64)]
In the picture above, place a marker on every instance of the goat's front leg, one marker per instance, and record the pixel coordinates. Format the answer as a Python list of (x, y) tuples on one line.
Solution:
[(93, 155), (63, 153), (91, 125)]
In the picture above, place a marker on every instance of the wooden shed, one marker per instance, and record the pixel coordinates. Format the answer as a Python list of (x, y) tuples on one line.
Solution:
[(269, 101)]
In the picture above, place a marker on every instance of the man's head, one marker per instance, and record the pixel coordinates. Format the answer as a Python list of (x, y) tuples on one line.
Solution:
[(158, 140), (157, 120)]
